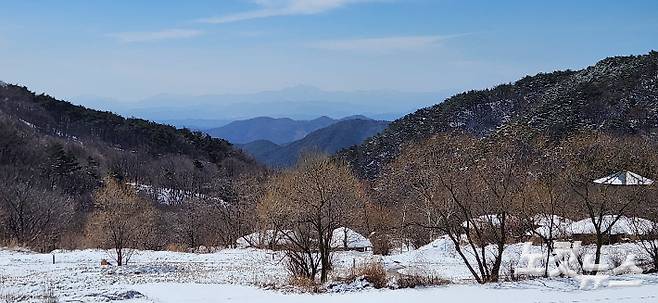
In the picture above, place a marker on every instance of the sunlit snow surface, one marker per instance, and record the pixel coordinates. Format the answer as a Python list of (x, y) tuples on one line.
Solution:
[(548, 291), (239, 275)]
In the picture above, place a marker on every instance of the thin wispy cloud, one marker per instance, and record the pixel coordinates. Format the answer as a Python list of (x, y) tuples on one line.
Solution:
[(380, 45), (275, 8), (168, 34)]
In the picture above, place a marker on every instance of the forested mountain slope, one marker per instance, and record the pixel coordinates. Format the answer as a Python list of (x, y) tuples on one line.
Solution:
[(618, 95), (328, 140), (54, 156), (276, 130)]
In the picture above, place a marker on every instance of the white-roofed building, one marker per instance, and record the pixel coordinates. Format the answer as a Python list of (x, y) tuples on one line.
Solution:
[(344, 238), (552, 226), (624, 178), (623, 229), (623, 226)]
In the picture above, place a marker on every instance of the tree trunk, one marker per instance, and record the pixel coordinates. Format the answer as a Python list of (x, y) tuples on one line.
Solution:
[(325, 269), (655, 259), (599, 245), (549, 250), (119, 257), (495, 270)]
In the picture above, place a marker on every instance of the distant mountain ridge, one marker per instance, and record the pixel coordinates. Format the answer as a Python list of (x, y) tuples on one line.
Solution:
[(276, 130), (196, 124), (301, 102), (617, 95), (329, 140)]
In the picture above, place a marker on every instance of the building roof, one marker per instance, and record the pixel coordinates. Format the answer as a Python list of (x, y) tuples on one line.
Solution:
[(552, 225), (624, 178), (344, 235), (623, 226)]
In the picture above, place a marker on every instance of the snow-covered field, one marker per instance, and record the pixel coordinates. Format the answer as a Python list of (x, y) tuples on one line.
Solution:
[(557, 291), (77, 276), (244, 275)]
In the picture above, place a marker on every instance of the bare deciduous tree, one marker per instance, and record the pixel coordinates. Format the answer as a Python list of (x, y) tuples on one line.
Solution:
[(33, 215), (544, 205), (121, 219), (313, 199), (592, 156), (465, 189)]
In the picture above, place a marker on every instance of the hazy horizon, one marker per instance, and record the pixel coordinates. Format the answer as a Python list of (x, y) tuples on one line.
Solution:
[(136, 50), (299, 102)]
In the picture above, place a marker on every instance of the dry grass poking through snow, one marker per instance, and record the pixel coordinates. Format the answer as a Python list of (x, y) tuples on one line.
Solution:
[(305, 284), (420, 280), (367, 274), (177, 247), (373, 272), (47, 295)]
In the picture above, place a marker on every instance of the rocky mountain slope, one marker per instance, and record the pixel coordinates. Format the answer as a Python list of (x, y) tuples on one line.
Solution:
[(618, 94)]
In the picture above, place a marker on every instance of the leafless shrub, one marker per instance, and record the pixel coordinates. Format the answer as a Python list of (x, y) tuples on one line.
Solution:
[(373, 272), (302, 264), (580, 255), (645, 232), (177, 247), (381, 244), (418, 280), (304, 284), (122, 220)]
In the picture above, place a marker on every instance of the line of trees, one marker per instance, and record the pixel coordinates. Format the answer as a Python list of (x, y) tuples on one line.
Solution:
[(48, 183), (485, 194), (54, 156), (482, 194)]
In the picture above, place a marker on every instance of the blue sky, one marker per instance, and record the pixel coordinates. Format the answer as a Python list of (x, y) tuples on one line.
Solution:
[(134, 49)]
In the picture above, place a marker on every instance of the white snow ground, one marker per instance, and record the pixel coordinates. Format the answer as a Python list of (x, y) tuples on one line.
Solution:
[(235, 275), (77, 276), (519, 292)]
